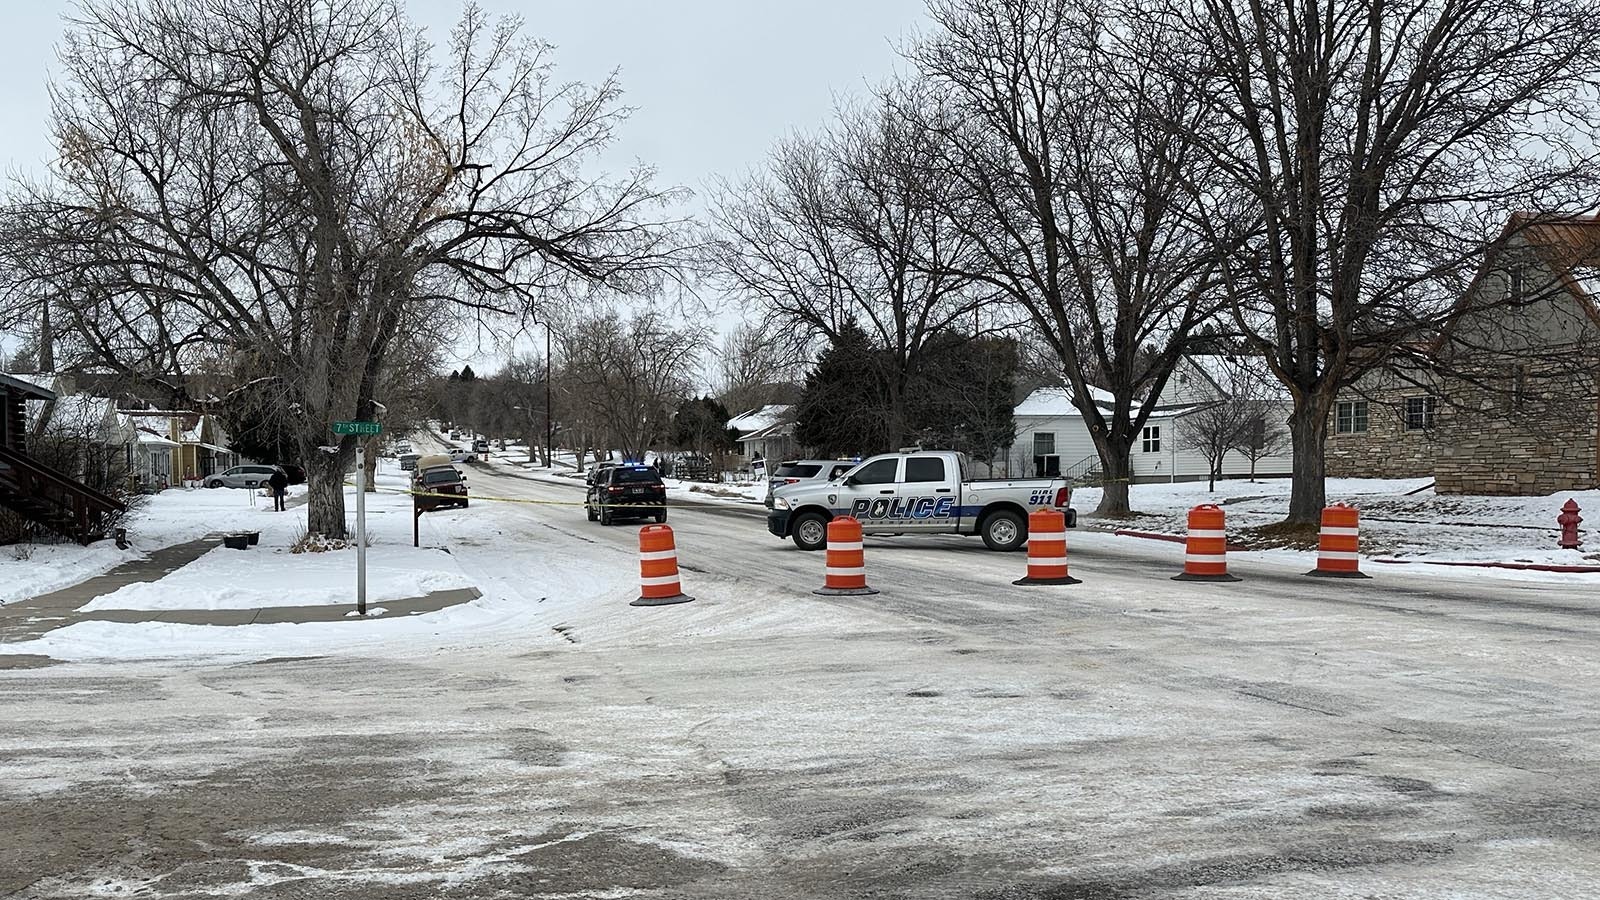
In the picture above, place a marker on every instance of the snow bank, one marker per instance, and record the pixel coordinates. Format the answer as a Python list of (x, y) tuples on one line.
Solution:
[(251, 579)]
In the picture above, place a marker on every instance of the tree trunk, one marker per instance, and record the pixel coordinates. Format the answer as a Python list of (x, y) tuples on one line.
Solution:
[(1308, 432), (325, 493), (1116, 471)]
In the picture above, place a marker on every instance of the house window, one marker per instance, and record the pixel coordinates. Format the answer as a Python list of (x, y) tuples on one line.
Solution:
[(1044, 443), (1350, 417), (1514, 285), (1151, 439), (1419, 413)]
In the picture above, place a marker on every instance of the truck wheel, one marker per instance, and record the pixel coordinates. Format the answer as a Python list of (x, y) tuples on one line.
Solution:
[(810, 531), (605, 516), (1004, 531), (661, 517), (1072, 518), (589, 511)]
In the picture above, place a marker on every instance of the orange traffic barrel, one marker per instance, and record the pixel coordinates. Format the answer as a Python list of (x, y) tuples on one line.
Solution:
[(847, 561), (658, 568), (1047, 549), (1339, 543), (1205, 550)]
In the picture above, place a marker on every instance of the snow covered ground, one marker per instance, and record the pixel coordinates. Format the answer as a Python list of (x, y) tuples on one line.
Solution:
[(159, 520), (1400, 518)]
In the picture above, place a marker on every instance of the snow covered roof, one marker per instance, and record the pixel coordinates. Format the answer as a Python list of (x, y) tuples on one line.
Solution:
[(29, 385), (748, 423), (1056, 402), (146, 436), (78, 415)]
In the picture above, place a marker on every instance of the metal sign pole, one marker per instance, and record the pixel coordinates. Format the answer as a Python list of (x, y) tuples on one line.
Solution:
[(361, 532)]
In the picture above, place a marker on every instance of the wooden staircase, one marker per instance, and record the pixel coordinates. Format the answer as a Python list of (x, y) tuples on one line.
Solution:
[(41, 494)]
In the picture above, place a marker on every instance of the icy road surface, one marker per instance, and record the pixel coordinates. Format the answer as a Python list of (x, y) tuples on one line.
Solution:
[(954, 736)]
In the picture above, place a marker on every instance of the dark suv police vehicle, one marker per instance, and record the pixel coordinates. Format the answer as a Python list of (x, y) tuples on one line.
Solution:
[(626, 492)]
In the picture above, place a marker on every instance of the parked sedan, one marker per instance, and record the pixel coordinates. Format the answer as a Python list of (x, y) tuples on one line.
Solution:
[(241, 477)]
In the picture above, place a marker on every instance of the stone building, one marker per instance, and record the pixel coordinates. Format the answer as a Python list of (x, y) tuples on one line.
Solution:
[(1515, 407), (1523, 416), (1386, 425)]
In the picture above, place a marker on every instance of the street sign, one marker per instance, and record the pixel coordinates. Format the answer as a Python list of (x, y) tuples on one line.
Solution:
[(357, 427)]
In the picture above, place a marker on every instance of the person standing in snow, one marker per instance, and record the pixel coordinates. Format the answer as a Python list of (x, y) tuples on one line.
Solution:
[(280, 488)]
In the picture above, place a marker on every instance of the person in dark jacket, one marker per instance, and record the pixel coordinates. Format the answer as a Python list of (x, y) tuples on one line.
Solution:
[(280, 488)]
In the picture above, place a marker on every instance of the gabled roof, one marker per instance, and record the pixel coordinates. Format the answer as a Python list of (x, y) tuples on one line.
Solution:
[(1569, 245), (752, 421), (1236, 374)]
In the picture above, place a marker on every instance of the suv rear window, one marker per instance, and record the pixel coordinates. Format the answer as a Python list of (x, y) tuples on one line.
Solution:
[(796, 471), (636, 476)]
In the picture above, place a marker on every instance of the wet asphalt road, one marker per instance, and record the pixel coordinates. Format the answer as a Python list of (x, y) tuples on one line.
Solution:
[(953, 736)]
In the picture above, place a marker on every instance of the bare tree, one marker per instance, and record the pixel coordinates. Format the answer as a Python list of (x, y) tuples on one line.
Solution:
[(1212, 431), (291, 179), (629, 375), (841, 231), (1261, 435), (1078, 199), (1383, 141), (758, 366)]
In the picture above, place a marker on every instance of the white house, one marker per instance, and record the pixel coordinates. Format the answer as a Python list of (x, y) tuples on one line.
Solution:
[(765, 433), (1052, 438)]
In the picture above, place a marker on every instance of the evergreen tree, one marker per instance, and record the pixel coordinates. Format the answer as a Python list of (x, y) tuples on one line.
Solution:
[(842, 408)]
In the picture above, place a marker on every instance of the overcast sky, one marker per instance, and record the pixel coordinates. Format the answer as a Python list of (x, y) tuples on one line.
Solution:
[(715, 82)]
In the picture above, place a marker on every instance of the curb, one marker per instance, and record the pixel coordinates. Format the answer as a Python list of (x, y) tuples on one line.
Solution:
[(1525, 567), (1172, 538)]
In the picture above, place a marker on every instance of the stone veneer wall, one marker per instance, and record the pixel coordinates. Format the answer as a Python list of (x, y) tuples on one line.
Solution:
[(1386, 449), (1547, 446)]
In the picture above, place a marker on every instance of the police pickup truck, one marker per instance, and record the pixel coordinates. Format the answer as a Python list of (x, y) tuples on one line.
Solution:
[(921, 492)]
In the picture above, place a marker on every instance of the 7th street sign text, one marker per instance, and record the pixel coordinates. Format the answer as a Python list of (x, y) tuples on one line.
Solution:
[(357, 427)]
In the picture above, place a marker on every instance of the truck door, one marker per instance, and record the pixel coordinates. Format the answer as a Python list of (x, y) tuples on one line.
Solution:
[(929, 494), (869, 493)]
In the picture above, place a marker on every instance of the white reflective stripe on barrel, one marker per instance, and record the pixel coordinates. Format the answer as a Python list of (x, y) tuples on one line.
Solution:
[(1338, 554), (1047, 560), (659, 580), (1200, 558), (1341, 531), (659, 554), (1047, 535), (844, 545), (838, 570), (1207, 533)]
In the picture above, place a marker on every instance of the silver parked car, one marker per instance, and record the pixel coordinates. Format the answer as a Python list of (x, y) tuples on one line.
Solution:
[(796, 471), (241, 477)]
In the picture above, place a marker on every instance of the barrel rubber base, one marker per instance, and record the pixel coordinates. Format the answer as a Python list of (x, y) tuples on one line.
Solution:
[(661, 601), (845, 592), (1185, 576), (1067, 580), (1318, 573)]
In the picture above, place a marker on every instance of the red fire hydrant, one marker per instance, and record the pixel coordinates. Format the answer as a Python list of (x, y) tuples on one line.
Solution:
[(1568, 520)]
